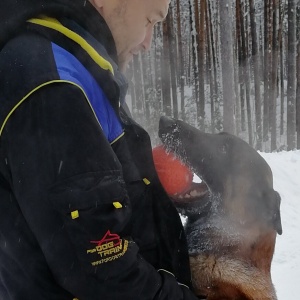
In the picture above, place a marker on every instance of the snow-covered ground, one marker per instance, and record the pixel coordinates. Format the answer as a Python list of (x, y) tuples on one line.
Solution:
[(286, 262)]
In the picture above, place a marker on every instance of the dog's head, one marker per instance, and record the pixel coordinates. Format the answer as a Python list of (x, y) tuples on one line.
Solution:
[(234, 212)]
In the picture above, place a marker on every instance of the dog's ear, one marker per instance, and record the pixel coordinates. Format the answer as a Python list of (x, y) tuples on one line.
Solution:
[(273, 200), (266, 205)]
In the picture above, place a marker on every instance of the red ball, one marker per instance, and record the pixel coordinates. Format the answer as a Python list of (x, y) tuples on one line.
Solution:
[(175, 177)]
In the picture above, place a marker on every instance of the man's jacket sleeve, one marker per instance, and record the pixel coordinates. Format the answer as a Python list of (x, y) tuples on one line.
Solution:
[(69, 187)]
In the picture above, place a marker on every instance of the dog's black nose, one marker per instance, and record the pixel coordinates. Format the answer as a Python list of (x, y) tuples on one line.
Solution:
[(166, 122), (167, 126)]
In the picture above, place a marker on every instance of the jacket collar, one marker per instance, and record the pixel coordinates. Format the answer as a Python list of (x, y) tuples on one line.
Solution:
[(69, 35), (15, 13)]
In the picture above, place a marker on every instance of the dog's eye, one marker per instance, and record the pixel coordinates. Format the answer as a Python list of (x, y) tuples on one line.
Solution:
[(223, 149)]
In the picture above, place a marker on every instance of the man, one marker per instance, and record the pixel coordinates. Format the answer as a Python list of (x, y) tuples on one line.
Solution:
[(82, 212)]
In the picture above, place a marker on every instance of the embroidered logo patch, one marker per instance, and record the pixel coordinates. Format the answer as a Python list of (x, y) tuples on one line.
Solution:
[(109, 248)]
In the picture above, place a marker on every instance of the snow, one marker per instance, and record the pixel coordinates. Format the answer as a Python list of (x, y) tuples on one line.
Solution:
[(286, 261)]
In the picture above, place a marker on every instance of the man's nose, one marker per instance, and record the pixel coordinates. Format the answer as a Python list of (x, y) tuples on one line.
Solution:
[(148, 39)]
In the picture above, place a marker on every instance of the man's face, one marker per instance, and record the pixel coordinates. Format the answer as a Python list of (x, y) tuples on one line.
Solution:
[(131, 23)]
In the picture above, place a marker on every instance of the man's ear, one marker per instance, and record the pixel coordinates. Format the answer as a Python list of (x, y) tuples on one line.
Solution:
[(98, 4)]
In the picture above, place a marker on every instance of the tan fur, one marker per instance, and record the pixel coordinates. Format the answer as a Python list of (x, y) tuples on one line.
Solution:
[(223, 278), (241, 271)]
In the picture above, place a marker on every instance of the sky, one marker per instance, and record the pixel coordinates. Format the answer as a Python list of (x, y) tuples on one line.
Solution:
[(286, 261)]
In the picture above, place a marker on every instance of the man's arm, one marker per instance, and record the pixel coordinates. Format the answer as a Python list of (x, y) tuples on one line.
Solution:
[(69, 186)]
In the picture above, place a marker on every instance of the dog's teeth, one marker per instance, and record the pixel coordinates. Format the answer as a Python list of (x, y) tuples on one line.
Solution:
[(194, 193)]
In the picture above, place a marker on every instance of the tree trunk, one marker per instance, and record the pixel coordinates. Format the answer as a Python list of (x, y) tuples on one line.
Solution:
[(173, 60), (298, 99), (211, 82), (291, 76), (256, 60), (138, 110), (298, 82), (213, 68), (165, 71), (273, 94), (201, 64), (247, 80), (132, 105), (181, 61), (157, 68), (238, 70), (193, 26), (225, 9), (146, 72), (282, 70), (267, 64)]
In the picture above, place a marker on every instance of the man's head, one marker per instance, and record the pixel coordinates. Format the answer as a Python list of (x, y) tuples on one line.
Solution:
[(131, 23)]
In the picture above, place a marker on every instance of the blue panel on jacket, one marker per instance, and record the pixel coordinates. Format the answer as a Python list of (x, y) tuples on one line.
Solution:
[(69, 68)]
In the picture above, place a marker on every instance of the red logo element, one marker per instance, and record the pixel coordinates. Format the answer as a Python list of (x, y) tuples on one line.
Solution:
[(108, 237)]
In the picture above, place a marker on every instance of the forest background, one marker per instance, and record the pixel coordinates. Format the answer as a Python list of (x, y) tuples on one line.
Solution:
[(224, 65)]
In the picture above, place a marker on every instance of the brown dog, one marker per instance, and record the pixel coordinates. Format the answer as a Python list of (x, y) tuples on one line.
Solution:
[(232, 216)]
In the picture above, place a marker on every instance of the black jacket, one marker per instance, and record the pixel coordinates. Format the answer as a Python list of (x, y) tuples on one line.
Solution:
[(81, 215)]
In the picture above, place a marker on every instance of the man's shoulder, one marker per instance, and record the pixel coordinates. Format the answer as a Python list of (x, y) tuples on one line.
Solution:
[(25, 62), (26, 49)]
